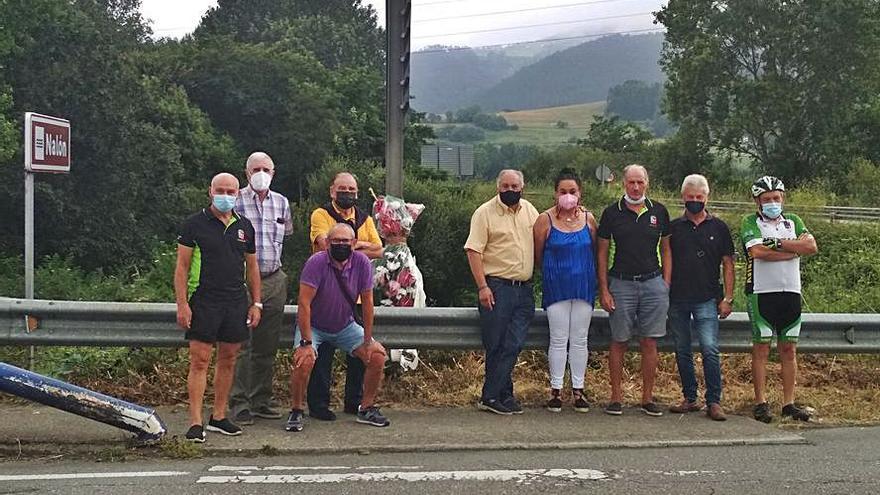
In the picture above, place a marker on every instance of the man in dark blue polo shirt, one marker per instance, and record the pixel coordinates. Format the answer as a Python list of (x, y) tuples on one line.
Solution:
[(214, 247), (701, 243), (635, 291)]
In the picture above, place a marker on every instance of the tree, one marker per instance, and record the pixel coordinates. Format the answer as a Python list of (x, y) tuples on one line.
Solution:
[(634, 100), (609, 134), (777, 80), (466, 115), (139, 146)]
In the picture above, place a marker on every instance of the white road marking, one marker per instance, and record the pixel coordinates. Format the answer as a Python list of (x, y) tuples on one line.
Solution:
[(520, 475), (250, 469), (74, 476)]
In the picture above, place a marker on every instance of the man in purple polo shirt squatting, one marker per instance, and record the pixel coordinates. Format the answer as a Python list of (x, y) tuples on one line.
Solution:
[(329, 285)]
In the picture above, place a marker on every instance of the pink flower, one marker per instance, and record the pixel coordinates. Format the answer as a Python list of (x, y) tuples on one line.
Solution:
[(406, 301), (405, 278), (393, 287)]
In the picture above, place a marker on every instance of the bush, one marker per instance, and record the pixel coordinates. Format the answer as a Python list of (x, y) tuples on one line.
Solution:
[(490, 122), (863, 182)]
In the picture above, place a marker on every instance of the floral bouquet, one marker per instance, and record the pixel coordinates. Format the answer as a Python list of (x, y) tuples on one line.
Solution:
[(394, 217), (396, 275)]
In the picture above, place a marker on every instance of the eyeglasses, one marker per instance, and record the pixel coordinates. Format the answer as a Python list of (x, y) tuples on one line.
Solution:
[(340, 241)]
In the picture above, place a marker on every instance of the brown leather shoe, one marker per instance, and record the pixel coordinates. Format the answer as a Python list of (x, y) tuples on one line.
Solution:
[(716, 413), (685, 407)]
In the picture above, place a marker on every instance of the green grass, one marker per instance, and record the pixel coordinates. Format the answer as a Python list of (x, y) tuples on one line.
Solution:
[(538, 127)]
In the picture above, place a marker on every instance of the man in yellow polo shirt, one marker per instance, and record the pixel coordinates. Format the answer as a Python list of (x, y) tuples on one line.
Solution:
[(342, 208), (500, 251)]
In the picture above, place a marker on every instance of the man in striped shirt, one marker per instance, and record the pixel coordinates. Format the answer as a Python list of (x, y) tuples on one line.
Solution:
[(269, 212)]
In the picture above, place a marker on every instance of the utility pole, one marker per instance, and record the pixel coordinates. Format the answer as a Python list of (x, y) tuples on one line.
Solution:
[(397, 27)]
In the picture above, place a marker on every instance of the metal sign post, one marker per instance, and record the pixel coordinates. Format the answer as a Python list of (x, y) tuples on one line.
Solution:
[(46, 149)]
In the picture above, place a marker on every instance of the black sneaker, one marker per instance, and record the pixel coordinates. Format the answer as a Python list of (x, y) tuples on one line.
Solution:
[(511, 404), (761, 412), (614, 409), (652, 409), (796, 413), (372, 416), (295, 420), (223, 426), (244, 418), (581, 405), (555, 403), (195, 434), (266, 412), (322, 414), (494, 406)]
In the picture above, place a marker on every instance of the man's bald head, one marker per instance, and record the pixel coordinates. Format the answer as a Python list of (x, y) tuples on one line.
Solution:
[(224, 183)]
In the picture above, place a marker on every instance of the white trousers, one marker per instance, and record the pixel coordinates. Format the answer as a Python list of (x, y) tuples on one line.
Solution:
[(569, 324)]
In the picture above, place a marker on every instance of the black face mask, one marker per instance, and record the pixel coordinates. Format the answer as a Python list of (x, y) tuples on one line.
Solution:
[(694, 206), (346, 200), (510, 198), (340, 252)]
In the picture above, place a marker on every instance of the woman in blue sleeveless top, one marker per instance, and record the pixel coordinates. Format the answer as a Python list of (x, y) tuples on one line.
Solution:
[(565, 237)]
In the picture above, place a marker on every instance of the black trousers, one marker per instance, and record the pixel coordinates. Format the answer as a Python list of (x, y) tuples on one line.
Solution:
[(318, 393)]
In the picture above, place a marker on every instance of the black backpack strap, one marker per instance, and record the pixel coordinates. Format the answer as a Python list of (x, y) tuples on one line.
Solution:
[(360, 216), (354, 307)]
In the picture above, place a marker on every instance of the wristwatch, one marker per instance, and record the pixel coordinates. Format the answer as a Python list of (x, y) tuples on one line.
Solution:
[(728, 300), (304, 343), (258, 305)]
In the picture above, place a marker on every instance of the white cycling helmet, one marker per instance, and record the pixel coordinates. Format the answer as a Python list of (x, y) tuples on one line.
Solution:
[(766, 184)]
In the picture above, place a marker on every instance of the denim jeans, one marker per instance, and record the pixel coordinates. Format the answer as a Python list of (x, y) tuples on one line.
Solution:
[(702, 319), (504, 330)]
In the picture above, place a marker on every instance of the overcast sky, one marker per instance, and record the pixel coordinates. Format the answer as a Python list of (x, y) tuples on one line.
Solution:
[(454, 22)]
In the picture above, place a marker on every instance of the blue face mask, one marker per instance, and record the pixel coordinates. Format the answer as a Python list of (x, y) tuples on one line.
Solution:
[(223, 202), (771, 210)]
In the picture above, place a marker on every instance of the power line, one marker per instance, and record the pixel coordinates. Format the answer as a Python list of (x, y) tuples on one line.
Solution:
[(557, 23), (546, 40), (532, 9), (420, 4)]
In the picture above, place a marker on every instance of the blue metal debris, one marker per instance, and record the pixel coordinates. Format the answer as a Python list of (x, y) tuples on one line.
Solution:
[(142, 421)]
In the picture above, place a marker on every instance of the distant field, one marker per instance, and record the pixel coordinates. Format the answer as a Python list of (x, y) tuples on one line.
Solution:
[(538, 127)]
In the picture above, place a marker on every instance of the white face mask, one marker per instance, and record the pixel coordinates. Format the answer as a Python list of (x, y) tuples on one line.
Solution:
[(260, 181), (634, 201)]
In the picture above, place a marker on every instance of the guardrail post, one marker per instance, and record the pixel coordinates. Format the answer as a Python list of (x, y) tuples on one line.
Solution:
[(142, 421)]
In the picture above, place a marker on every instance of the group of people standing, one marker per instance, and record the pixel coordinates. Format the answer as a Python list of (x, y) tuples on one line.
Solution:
[(664, 273), (231, 290)]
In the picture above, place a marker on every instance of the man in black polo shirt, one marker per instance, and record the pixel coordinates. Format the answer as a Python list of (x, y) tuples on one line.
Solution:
[(214, 246), (637, 296), (701, 243)]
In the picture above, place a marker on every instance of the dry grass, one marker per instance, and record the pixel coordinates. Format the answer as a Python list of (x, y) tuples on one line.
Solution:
[(843, 389), (576, 115)]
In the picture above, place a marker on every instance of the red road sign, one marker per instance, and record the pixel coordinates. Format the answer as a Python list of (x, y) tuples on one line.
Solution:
[(46, 143)]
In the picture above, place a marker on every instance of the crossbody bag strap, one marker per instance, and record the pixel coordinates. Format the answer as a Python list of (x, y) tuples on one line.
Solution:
[(357, 317)]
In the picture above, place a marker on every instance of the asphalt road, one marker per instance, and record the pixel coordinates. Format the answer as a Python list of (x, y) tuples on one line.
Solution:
[(841, 460)]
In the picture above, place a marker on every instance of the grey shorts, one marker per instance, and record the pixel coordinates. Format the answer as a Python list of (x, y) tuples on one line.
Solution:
[(639, 308)]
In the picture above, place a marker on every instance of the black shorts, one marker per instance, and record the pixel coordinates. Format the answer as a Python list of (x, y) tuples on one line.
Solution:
[(218, 319)]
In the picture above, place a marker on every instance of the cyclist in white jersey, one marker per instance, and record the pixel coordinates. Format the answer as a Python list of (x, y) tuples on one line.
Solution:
[(774, 243)]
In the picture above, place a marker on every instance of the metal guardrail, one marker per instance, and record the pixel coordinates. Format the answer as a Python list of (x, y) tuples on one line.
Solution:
[(834, 213), (75, 323)]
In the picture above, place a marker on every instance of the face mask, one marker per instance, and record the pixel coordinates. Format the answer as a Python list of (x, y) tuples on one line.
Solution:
[(510, 198), (340, 252), (567, 201), (634, 201), (771, 210), (223, 202), (694, 206), (260, 181), (346, 200)]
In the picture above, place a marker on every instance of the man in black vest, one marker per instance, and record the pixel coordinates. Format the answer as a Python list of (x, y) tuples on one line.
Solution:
[(342, 208)]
